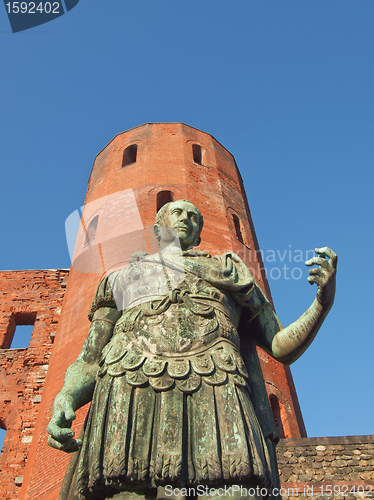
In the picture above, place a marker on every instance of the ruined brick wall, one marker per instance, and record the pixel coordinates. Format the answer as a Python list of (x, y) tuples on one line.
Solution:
[(341, 465), (26, 297)]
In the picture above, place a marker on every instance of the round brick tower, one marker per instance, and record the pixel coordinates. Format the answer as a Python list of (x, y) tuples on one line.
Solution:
[(132, 177)]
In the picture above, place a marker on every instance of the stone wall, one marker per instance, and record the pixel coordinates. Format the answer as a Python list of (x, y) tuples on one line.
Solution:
[(341, 465), (26, 297)]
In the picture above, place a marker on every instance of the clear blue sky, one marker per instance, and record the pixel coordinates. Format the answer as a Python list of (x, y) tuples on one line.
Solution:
[(286, 86)]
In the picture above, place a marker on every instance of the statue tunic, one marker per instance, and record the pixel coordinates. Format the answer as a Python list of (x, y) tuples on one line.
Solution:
[(172, 404)]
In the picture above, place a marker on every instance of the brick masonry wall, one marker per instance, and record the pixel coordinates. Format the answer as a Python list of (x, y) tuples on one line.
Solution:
[(25, 296), (343, 465)]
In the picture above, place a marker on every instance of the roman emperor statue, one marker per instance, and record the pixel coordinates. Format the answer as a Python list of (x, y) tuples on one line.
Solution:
[(171, 370)]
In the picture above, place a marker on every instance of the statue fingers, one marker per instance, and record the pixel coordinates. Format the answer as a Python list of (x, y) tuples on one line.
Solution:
[(69, 445), (327, 252), (317, 261), (69, 414), (316, 279), (318, 271), (63, 411), (59, 433), (54, 443)]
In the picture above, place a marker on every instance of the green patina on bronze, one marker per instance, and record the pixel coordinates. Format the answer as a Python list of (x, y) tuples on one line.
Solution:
[(171, 368)]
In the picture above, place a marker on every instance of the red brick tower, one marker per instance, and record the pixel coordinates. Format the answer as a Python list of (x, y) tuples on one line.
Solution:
[(160, 163)]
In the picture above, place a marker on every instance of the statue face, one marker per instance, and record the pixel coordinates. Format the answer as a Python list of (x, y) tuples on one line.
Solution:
[(184, 219)]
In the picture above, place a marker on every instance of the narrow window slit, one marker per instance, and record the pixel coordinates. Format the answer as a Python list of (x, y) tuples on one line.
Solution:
[(238, 230), (91, 230), (163, 197), (197, 154), (129, 155)]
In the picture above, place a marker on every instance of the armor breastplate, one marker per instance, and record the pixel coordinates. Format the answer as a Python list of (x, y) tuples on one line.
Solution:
[(178, 340), (175, 330)]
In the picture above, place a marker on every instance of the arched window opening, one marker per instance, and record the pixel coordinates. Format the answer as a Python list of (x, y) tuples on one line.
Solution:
[(198, 154), (276, 410), (238, 230), (129, 155), (2, 434), (91, 230), (163, 197)]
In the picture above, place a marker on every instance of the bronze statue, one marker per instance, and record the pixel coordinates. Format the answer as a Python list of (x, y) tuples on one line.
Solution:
[(178, 398)]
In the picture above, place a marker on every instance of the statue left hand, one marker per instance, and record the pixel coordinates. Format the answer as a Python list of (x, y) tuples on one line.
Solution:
[(324, 275)]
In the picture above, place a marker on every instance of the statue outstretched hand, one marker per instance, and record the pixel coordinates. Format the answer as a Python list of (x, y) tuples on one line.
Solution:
[(324, 275), (60, 434)]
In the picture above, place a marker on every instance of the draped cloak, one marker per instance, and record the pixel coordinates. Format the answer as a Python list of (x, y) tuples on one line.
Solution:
[(179, 396)]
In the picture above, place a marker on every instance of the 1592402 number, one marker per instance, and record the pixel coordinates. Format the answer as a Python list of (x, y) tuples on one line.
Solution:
[(33, 8)]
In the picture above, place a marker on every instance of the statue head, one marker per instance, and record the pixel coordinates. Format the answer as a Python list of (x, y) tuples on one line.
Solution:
[(179, 218)]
